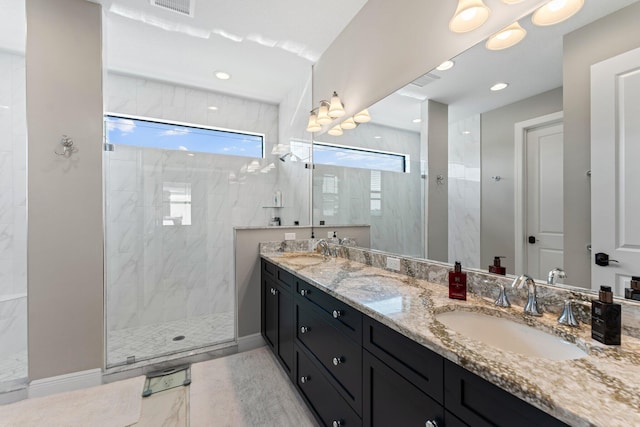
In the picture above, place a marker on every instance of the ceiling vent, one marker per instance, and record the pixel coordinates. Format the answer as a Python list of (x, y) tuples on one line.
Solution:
[(424, 80), (183, 7)]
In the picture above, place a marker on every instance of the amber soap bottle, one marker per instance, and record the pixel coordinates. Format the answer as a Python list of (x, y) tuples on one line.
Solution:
[(457, 282), (606, 318), (496, 268)]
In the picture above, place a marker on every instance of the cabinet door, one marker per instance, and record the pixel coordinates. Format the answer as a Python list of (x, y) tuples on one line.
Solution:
[(391, 400), (269, 305), (286, 329)]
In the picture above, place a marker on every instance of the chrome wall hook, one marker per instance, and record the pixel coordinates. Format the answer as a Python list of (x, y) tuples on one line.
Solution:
[(67, 147)]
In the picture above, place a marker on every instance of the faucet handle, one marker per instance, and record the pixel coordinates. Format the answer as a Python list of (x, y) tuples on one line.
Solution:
[(567, 317), (502, 300)]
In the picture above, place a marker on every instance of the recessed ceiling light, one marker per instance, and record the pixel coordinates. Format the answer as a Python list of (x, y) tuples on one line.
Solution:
[(4, 107), (446, 65), (223, 75), (499, 86), (417, 120), (466, 132), (213, 108), (377, 137)]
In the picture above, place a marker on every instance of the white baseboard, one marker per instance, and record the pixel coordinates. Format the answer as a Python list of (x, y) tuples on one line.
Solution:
[(67, 382), (250, 342)]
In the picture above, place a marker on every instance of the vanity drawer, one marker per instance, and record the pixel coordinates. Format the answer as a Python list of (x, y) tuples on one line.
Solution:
[(341, 357), (344, 317), (268, 268), (419, 365), (285, 278), (325, 401)]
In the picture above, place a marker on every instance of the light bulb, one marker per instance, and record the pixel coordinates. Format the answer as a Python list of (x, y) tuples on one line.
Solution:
[(335, 108)]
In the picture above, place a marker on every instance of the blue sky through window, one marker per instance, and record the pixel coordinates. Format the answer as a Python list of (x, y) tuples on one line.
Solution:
[(332, 155), (146, 133)]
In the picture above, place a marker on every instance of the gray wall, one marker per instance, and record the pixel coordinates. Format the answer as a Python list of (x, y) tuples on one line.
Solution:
[(65, 238), (436, 128), (607, 37), (497, 223), (247, 265)]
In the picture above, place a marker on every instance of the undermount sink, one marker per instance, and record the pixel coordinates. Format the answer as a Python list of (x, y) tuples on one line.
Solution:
[(511, 336)]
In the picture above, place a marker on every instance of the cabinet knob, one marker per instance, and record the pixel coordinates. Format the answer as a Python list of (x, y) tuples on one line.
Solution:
[(337, 423), (304, 292), (337, 313), (338, 360), (273, 291), (431, 423), (304, 329), (304, 379)]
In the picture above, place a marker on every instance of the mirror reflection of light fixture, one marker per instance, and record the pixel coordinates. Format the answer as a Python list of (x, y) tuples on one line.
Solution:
[(348, 124), (313, 125), (507, 37), (323, 114), (335, 131), (556, 11), (470, 14), (362, 117), (336, 109), (512, 1)]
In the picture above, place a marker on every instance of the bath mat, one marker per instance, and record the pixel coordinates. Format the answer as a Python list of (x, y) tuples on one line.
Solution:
[(167, 378)]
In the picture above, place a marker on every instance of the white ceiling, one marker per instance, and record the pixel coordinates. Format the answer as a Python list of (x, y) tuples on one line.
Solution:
[(531, 67), (267, 46)]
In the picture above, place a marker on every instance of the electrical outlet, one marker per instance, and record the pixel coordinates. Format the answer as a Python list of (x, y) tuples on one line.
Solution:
[(329, 234), (393, 263), (289, 236)]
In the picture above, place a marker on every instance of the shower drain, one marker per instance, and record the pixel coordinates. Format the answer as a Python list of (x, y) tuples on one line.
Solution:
[(178, 338)]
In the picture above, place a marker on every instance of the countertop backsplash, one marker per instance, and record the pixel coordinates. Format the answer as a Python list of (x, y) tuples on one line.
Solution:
[(550, 298)]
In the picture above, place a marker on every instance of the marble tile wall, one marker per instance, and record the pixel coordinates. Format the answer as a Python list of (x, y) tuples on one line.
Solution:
[(464, 191), (13, 213), (162, 273), (398, 227)]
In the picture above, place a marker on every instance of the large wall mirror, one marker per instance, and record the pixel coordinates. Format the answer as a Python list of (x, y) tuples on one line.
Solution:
[(487, 172)]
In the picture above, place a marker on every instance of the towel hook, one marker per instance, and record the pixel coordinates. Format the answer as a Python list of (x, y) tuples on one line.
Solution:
[(67, 146)]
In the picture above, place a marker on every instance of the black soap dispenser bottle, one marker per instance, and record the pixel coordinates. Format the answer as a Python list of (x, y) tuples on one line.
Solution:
[(606, 318)]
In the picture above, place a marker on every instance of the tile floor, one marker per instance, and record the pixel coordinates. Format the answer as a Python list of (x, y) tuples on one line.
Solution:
[(244, 389)]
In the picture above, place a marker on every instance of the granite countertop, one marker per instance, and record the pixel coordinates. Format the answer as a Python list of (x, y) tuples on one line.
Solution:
[(601, 389)]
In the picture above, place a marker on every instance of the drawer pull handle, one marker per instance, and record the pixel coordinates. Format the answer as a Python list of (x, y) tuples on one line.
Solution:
[(431, 423), (337, 423), (304, 379), (304, 329), (338, 360), (304, 292), (337, 313)]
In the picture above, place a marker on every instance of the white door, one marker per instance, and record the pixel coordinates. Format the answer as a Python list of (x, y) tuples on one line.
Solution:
[(544, 206), (615, 169)]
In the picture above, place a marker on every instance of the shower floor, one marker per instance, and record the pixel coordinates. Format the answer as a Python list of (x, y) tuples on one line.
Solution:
[(146, 342)]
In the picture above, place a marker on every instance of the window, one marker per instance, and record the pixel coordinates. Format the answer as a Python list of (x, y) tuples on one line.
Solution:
[(176, 201), (336, 155), (376, 193), (147, 133), (330, 195)]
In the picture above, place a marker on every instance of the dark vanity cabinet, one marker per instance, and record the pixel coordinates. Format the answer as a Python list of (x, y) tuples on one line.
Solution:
[(277, 323), (352, 370)]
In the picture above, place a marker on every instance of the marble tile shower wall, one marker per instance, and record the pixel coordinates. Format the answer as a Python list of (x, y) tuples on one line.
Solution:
[(343, 195), (13, 213), (157, 272), (464, 191)]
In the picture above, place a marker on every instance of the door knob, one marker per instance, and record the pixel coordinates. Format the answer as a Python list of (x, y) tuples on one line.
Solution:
[(603, 260), (532, 240)]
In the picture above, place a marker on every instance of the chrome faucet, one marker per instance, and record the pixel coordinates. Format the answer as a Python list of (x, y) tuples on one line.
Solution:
[(324, 247), (532, 301), (567, 317), (556, 273)]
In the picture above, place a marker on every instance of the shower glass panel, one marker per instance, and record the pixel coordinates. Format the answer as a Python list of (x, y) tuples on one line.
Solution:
[(169, 237), (13, 200)]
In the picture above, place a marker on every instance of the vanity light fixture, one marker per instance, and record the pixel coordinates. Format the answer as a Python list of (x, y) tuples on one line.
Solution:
[(499, 86), (556, 11), (470, 14), (222, 75), (335, 131), (336, 109), (323, 113), (348, 124), (362, 117), (313, 125), (506, 37), (446, 65)]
